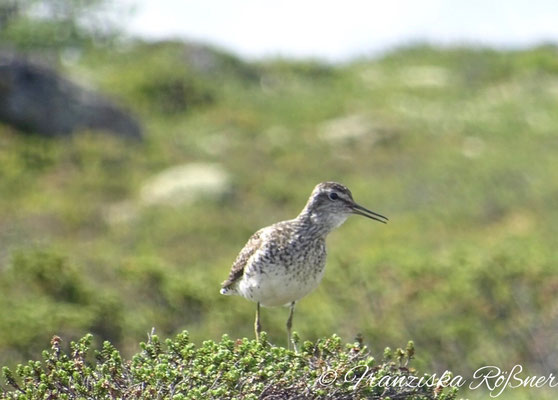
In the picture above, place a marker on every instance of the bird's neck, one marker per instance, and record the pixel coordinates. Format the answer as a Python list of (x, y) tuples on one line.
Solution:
[(318, 223)]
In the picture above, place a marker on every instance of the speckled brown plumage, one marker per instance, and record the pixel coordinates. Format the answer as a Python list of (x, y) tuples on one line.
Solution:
[(237, 268)]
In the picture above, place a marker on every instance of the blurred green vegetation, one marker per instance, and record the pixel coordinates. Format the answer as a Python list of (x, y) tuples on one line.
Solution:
[(51, 27), (458, 147)]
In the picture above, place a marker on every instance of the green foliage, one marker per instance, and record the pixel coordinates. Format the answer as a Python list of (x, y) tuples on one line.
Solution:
[(227, 369), (48, 274), (55, 295), (170, 78), (55, 24)]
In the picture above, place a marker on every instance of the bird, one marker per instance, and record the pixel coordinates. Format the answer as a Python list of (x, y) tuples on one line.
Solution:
[(283, 262)]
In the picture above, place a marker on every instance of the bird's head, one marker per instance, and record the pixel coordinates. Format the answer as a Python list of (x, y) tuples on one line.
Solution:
[(331, 203)]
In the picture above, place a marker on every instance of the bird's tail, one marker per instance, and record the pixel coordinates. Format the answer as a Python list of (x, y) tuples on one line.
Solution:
[(227, 291)]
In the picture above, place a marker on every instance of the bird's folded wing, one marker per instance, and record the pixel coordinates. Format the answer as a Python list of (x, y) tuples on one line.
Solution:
[(241, 261)]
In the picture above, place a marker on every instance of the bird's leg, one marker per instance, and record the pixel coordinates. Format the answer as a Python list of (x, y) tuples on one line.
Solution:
[(289, 327), (257, 325)]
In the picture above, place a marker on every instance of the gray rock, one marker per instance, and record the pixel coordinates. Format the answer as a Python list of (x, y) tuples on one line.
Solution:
[(36, 99)]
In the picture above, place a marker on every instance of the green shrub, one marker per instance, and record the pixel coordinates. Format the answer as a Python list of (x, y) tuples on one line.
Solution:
[(229, 369)]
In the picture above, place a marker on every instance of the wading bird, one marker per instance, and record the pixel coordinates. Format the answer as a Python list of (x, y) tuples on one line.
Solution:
[(285, 261)]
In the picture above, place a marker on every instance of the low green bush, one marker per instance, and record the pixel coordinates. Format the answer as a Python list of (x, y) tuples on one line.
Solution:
[(229, 369)]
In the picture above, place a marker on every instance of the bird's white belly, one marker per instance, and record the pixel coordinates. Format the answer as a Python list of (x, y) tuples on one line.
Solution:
[(277, 285)]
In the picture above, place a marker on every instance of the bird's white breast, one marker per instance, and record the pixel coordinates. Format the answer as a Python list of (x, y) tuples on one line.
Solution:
[(276, 281)]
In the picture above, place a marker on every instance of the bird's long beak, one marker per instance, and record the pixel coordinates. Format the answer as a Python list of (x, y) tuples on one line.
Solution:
[(360, 210)]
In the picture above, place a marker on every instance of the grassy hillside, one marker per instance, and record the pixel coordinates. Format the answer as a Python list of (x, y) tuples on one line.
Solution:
[(458, 147)]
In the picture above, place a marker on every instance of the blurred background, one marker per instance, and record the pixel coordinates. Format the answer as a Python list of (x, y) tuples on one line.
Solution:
[(142, 143)]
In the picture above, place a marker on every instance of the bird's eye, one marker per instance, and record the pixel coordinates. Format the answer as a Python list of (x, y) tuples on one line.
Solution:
[(333, 196)]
